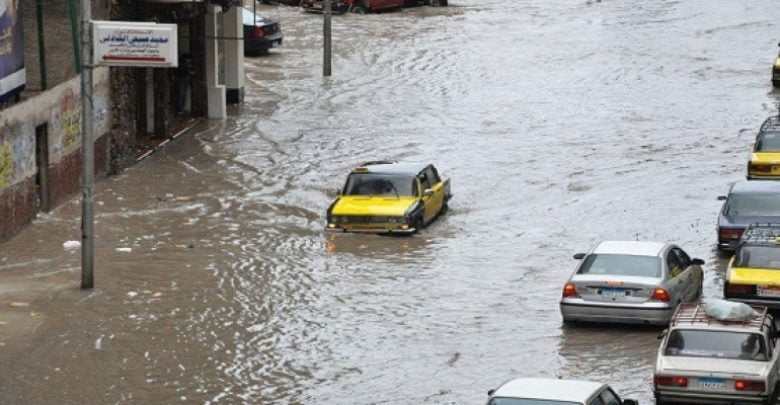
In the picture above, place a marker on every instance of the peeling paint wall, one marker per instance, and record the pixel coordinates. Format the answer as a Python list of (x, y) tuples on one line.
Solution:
[(60, 108)]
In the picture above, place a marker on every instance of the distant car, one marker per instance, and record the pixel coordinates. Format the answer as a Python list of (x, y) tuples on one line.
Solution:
[(776, 71), (358, 6), (765, 159), (753, 274), (389, 197), (260, 34), (551, 391), (631, 282), (702, 360), (748, 202)]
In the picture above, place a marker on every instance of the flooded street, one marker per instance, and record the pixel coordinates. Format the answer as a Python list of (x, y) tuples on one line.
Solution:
[(561, 123)]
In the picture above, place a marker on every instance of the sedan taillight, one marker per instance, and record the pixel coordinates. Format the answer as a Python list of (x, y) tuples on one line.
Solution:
[(730, 234), (659, 294), (259, 32), (570, 291), (667, 381), (747, 385)]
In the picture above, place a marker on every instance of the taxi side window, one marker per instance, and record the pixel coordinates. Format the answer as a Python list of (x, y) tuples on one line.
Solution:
[(609, 398), (674, 264), (433, 175), (425, 181)]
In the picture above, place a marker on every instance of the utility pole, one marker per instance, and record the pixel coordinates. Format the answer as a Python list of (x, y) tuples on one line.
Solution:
[(326, 38), (87, 150)]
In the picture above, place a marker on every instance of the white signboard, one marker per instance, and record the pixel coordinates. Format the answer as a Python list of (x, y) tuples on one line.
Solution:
[(122, 43)]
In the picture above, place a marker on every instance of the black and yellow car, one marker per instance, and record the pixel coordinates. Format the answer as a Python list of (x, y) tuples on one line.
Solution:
[(753, 274), (765, 159), (776, 71), (389, 197)]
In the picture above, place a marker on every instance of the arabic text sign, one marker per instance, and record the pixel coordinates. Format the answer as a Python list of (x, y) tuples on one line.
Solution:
[(119, 43), (12, 73)]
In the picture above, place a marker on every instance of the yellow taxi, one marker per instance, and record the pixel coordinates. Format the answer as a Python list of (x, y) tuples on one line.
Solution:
[(765, 159), (389, 197), (753, 274), (776, 71)]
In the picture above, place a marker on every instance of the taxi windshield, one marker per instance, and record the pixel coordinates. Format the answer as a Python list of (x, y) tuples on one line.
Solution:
[(621, 265), (769, 142), (765, 257), (754, 204), (718, 344), (381, 185)]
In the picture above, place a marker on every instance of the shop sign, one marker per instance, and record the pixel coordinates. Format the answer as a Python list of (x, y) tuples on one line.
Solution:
[(121, 43), (12, 73)]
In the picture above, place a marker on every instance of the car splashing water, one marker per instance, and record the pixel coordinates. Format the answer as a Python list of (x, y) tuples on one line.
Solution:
[(560, 123)]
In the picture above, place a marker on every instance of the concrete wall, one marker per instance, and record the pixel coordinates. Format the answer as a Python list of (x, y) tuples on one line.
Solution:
[(60, 110)]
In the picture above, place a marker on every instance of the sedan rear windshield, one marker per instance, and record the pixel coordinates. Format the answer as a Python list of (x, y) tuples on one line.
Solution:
[(380, 184), (524, 401), (621, 265), (765, 257), (769, 142), (754, 204), (719, 344)]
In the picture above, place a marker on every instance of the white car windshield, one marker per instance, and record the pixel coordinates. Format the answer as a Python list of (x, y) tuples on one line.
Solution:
[(719, 344), (621, 265), (525, 401), (380, 184)]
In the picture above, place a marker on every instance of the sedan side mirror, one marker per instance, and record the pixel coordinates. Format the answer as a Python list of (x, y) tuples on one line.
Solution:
[(491, 392), (579, 256), (722, 198), (662, 334), (428, 192), (697, 262), (630, 402)]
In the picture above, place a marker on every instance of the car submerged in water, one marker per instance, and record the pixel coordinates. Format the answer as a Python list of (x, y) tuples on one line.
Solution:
[(703, 360), (748, 202), (631, 282), (549, 391), (389, 197), (260, 34)]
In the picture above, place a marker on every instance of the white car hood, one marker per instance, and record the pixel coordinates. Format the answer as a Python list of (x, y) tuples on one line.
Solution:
[(721, 367)]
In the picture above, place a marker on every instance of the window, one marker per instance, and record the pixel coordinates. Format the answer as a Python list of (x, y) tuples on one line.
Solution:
[(717, 344), (621, 265), (433, 175), (609, 397), (527, 401), (768, 142), (682, 257), (674, 264), (753, 204), (380, 185), (758, 256)]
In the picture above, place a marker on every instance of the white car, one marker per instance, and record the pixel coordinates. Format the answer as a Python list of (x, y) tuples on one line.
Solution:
[(631, 282), (706, 361), (550, 391)]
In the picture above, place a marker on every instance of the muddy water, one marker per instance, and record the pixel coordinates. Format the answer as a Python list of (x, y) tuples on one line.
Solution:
[(561, 123)]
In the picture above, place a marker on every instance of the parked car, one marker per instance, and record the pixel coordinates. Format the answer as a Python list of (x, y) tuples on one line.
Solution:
[(389, 197), (753, 274), (747, 202), (631, 282), (260, 34), (703, 360), (550, 391), (765, 159), (776, 71)]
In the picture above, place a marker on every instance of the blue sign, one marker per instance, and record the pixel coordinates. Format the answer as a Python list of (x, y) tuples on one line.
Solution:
[(12, 74)]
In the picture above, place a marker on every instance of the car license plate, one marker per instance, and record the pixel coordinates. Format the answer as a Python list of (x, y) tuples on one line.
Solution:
[(712, 383), (613, 292), (768, 291)]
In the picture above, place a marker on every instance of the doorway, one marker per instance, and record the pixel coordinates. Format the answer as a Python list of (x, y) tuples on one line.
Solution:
[(42, 166)]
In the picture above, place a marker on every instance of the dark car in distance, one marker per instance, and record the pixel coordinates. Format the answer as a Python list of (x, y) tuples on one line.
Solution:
[(748, 202), (260, 34)]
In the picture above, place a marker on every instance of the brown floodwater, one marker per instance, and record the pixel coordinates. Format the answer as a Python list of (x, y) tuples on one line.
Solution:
[(561, 123)]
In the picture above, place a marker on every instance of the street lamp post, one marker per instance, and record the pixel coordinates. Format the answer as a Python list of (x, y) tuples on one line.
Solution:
[(87, 150), (326, 67)]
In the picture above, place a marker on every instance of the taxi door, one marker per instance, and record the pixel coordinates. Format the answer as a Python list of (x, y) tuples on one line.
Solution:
[(433, 192)]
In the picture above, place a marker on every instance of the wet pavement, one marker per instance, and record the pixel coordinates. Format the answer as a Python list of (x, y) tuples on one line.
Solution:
[(561, 123)]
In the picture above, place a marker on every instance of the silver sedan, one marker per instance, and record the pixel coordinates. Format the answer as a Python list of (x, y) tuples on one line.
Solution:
[(631, 282)]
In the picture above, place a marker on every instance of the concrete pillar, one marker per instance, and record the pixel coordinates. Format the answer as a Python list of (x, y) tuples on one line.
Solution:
[(234, 55), (215, 91)]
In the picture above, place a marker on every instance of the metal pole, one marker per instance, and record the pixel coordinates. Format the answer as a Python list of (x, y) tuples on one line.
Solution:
[(87, 150), (41, 44), (74, 30), (326, 68)]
